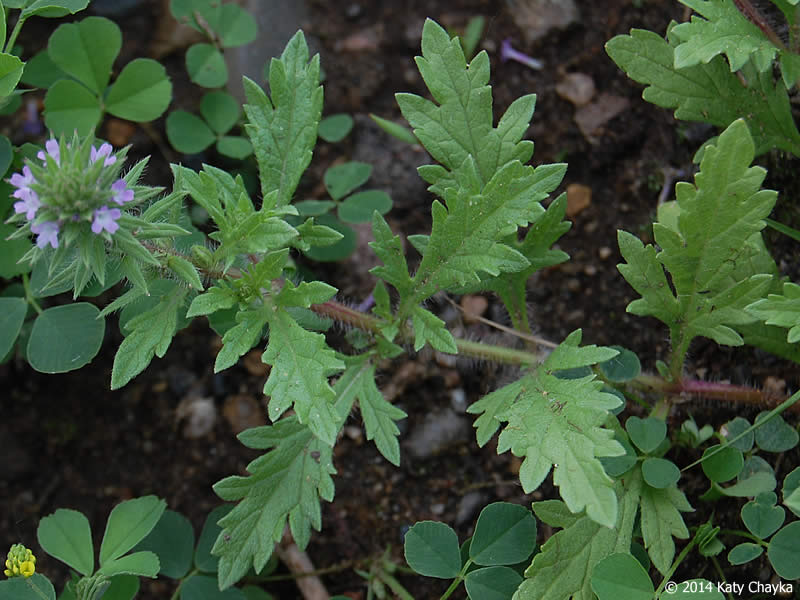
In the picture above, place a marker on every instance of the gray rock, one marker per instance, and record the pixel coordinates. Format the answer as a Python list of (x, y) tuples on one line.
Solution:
[(436, 433)]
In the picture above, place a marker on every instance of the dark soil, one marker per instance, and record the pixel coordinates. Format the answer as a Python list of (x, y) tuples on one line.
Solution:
[(70, 442)]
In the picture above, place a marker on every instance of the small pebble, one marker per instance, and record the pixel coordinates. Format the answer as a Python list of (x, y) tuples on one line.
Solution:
[(201, 415), (242, 411), (577, 88), (575, 316), (579, 197), (254, 365), (438, 508), (458, 400), (473, 305), (604, 252), (590, 270), (468, 506), (354, 433), (438, 432), (446, 360), (353, 11)]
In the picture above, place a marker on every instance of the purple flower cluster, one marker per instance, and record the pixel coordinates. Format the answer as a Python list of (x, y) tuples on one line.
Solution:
[(29, 203)]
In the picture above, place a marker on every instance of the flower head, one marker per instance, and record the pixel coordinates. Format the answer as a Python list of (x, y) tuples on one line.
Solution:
[(47, 233), (73, 193), (52, 149), (104, 151), (22, 182), (121, 192), (106, 218), (20, 562), (29, 203)]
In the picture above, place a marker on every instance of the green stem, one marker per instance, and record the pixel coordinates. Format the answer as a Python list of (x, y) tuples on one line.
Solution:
[(396, 587), (674, 567), (176, 593), (457, 581), (744, 534), (14, 33), (720, 573), (679, 350), (365, 322), (29, 297)]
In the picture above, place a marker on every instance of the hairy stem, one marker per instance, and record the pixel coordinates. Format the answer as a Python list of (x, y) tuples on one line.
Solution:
[(466, 348)]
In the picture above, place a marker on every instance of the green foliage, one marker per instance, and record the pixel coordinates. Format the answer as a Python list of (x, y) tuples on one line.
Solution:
[(708, 92), (286, 483), (86, 51), (505, 534), (379, 415), (149, 334), (431, 549), (782, 310), (66, 535), (301, 363), (562, 569), (283, 129), (623, 367), (701, 250), (340, 180), (554, 421), (65, 338), (621, 576), (172, 540), (335, 127), (708, 274), (723, 30)]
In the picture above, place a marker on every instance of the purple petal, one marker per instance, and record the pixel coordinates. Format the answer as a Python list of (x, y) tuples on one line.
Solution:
[(106, 218), (29, 204), (104, 151), (24, 180), (121, 193), (47, 233)]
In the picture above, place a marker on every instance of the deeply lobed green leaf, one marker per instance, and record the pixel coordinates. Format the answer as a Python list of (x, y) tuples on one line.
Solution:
[(461, 126), (285, 483), (782, 310), (724, 30), (301, 364), (701, 248), (555, 422), (708, 92), (283, 129)]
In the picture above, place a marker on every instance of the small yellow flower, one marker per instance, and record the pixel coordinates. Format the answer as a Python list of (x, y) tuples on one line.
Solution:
[(20, 562)]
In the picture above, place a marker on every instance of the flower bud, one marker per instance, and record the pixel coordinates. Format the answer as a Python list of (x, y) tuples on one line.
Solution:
[(20, 562)]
